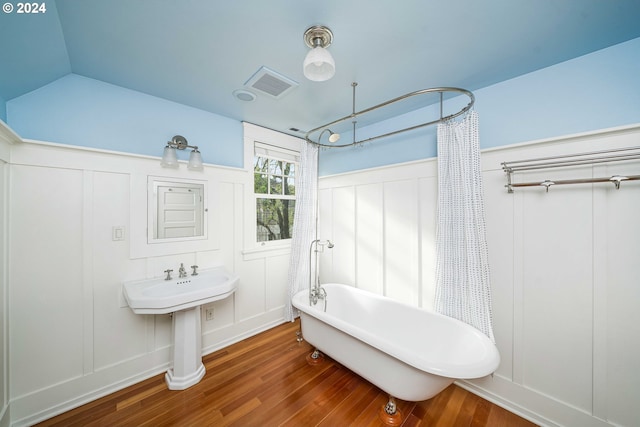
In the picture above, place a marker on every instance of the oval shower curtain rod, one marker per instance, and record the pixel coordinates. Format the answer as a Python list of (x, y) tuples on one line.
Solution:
[(354, 115)]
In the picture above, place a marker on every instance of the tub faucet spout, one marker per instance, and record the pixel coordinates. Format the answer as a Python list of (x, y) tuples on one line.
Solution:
[(316, 292)]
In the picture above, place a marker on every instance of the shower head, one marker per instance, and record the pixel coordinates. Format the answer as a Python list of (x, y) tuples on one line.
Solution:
[(333, 137), (329, 244)]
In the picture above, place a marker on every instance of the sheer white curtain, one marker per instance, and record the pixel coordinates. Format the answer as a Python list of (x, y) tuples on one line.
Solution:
[(463, 288), (304, 225)]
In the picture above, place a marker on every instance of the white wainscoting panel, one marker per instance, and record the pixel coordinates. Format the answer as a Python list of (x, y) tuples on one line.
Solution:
[(401, 226), (618, 322), (564, 269), (110, 258), (45, 277), (427, 195), (499, 212), (72, 337), (369, 261), (343, 234), (558, 293), (276, 282), (251, 296)]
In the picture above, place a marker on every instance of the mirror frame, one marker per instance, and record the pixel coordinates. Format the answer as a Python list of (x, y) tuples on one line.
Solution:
[(152, 208), (138, 241)]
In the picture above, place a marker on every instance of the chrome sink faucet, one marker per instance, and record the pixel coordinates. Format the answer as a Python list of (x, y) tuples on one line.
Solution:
[(182, 272)]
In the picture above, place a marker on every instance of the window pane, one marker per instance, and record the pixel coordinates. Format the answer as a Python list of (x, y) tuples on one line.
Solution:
[(260, 183), (275, 167), (276, 185), (260, 164), (289, 186), (274, 219)]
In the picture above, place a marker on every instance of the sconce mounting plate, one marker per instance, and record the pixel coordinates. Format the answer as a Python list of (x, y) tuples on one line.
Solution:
[(318, 32), (180, 142)]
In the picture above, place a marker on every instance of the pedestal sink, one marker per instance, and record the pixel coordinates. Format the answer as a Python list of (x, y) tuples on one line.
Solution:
[(182, 297)]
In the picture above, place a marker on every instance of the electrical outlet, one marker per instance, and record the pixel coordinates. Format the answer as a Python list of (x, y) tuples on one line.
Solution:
[(208, 314)]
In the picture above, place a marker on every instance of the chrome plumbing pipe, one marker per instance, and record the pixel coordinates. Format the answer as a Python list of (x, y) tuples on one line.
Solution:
[(315, 292)]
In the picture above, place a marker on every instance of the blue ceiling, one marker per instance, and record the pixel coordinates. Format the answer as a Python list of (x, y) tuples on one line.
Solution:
[(197, 52)]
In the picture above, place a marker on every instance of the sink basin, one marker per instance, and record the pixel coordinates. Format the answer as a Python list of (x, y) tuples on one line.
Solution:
[(182, 297), (159, 296)]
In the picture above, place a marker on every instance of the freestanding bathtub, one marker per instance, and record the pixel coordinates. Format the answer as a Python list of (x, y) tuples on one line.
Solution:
[(410, 353)]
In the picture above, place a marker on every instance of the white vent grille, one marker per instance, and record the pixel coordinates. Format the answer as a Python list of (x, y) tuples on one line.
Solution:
[(271, 83)]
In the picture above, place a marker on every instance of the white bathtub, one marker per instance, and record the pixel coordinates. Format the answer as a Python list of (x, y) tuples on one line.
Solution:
[(408, 352)]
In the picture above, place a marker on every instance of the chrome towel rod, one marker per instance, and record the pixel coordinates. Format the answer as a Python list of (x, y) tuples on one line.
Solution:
[(590, 158)]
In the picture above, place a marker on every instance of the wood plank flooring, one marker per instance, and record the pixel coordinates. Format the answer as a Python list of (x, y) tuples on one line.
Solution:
[(266, 381)]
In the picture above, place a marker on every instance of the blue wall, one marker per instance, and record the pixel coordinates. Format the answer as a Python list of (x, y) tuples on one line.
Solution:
[(595, 91), (77, 110), (3, 110)]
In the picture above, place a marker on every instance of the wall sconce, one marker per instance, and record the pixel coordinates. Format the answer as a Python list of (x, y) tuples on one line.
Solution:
[(318, 64), (170, 158)]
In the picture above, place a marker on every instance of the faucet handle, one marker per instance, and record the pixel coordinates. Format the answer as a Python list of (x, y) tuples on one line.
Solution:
[(195, 270), (168, 274)]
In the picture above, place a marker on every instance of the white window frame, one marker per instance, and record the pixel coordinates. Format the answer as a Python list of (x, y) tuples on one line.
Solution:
[(283, 156), (277, 145)]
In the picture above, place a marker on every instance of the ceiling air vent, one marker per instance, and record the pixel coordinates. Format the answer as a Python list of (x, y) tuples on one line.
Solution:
[(271, 83)]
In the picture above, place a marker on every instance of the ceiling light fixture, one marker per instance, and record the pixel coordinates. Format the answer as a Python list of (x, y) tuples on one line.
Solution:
[(170, 158), (318, 64)]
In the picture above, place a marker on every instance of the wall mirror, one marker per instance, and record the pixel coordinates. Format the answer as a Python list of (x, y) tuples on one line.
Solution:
[(176, 210)]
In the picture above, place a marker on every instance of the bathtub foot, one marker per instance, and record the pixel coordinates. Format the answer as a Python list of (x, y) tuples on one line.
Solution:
[(390, 414), (299, 337), (315, 358)]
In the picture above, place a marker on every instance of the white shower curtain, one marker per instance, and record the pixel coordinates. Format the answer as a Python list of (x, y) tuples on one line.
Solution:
[(463, 288), (304, 225)]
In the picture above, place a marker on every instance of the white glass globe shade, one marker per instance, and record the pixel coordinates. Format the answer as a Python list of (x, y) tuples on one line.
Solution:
[(319, 65), (169, 158), (195, 161)]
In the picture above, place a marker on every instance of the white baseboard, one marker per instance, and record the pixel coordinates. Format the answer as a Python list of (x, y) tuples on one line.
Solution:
[(250, 329), (46, 403), (529, 404)]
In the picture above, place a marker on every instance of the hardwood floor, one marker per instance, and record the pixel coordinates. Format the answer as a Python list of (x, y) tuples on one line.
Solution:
[(266, 381)]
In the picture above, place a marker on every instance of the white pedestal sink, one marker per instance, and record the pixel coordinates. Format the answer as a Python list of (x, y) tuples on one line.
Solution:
[(182, 297), (187, 350)]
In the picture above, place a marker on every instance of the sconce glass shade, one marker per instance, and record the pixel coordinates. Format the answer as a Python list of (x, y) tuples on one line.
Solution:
[(195, 161), (169, 158), (319, 65)]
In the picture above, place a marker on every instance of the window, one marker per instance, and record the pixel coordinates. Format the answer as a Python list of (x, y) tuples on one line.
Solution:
[(272, 163), (274, 175)]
